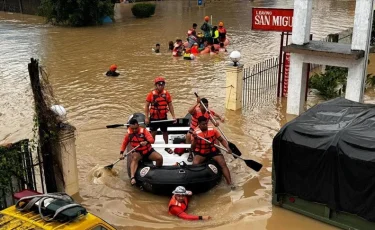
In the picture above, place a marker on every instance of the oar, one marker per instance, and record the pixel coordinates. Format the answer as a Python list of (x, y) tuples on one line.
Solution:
[(250, 163), (111, 165), (120, 125), (232, 146)]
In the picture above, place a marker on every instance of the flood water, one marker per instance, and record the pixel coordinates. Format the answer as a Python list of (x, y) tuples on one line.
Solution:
[(77, 58)]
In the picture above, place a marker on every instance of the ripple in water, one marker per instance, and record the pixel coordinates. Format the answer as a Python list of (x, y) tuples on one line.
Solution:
[(101, 175)]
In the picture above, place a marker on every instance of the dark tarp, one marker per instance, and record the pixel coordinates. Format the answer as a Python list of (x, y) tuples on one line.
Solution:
[(327, 155)]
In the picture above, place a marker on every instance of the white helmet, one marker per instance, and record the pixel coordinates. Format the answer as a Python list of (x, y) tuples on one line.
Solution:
[(180, 190)]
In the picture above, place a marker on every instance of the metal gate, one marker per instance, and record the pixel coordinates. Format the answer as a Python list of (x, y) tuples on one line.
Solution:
[(18, 172), (260, 83)]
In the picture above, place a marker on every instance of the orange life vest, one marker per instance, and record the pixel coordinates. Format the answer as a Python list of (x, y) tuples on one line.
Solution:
[(159, 105), (222, 34), (175, 202), (202, 146), (137, 138), (194, 119)]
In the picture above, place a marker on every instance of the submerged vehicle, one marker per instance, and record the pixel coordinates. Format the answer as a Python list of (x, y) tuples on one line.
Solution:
[(324, 164)]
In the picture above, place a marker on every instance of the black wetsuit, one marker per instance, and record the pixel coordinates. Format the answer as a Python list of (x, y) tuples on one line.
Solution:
[(112, 73)]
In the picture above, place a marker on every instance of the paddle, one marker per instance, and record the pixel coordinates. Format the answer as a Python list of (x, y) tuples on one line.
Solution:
[(120, 125), (232, 146), (250, 163), (111, 165)]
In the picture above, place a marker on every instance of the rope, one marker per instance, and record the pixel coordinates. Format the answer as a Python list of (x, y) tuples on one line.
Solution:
[(41, 198)]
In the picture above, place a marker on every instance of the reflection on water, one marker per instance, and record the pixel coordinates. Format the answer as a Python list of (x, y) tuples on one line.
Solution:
[(77, 58)]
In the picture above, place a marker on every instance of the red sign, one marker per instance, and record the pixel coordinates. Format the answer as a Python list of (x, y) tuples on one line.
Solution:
[(286, 74), (272, 19)]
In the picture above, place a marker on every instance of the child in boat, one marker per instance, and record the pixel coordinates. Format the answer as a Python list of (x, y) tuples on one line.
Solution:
[(179, 203), (112, 71)]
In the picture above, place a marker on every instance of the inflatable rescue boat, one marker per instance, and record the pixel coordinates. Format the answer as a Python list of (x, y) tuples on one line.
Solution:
[(176, 170)]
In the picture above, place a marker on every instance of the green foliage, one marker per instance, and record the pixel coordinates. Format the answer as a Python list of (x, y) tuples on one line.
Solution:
[(76, 12), (370, 80), (331, 83), (143, 10), (10, 165)]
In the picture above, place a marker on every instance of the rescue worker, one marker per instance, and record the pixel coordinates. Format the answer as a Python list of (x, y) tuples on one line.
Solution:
[(158, 103), (206, 28), (112, 71), (197, 111), (179, 203), (194, 49), (139, 136), (222, 32), (203, 149)]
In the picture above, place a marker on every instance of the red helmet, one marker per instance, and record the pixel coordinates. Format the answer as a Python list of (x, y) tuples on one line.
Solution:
[(159, 79)]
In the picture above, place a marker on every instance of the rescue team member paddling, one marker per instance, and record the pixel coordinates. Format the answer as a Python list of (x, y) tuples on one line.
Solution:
[(196, 111), (179, 203), (139, 136), (203, 149), (158, 103)]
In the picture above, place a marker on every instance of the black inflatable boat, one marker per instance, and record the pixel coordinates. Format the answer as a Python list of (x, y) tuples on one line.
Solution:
[(163, 180)]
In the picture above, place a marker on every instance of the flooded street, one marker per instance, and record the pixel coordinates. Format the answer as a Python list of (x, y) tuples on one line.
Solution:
[(76, 60)]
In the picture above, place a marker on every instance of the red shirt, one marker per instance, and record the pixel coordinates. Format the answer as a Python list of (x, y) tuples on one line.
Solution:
[(194, 50), (178, 211)]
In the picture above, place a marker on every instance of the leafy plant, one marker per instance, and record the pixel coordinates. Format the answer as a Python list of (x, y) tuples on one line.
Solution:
[(143, 10), (370, 80), (331, 83), (10, 165), (76, 12)]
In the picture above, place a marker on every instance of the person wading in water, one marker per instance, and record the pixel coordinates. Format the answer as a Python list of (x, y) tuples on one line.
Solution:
[(179, 203)]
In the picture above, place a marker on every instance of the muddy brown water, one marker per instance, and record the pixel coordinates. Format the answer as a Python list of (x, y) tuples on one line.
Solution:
[(76, 59)]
